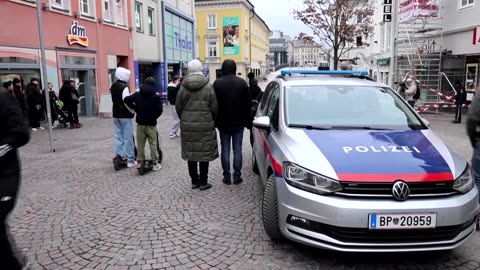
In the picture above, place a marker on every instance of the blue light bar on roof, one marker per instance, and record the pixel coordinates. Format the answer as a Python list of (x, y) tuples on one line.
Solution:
[(325, 72)]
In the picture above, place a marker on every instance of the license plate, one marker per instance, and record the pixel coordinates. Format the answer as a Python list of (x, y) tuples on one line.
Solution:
[(402, 221)]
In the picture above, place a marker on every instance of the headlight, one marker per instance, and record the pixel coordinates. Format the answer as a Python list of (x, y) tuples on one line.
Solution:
[(464, 183), (309, 181)]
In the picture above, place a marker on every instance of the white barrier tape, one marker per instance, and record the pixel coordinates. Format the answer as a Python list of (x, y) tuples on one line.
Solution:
[(435, 106)]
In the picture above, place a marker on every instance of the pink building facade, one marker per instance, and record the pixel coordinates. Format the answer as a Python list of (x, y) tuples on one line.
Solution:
[(85, 40)]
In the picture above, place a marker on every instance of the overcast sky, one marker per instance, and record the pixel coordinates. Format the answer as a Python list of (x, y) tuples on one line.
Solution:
[(277, 15)]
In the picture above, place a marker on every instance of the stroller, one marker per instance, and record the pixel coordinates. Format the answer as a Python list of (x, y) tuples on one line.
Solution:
[(61, 114)]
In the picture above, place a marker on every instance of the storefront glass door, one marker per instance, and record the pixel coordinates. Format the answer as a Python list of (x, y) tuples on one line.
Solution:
[(86, 86), (471, 77)]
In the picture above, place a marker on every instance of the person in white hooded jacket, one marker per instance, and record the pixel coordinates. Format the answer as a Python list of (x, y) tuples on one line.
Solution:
[(122, 118)]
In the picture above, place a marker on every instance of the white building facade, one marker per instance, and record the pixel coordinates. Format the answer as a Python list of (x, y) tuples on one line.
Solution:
[(307, 54)]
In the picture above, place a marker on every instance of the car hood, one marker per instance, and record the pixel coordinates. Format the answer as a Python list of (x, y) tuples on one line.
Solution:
[(375, 156)]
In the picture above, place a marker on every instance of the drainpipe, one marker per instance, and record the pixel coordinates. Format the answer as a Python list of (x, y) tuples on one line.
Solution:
[(252, 12)]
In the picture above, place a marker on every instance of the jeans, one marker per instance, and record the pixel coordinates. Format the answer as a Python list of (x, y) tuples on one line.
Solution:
[(124, 138), (150, 133), (176, 121), (227, 138), (476, 164), (193, 171)]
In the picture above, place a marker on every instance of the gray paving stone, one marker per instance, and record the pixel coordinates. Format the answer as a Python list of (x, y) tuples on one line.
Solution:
[(75, 212)]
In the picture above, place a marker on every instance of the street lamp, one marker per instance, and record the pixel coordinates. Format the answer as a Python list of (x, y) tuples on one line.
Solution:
[(44, 73)]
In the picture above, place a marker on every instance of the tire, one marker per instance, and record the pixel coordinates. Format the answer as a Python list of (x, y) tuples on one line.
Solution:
[(270, 210), (254, 164)]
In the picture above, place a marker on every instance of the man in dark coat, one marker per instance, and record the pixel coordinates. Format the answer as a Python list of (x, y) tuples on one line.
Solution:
[(234, 106), (67, 96), (17, 89), (460, 99), (256, 96), (13, 134), (196, 106), (35, 102), (147, 104)]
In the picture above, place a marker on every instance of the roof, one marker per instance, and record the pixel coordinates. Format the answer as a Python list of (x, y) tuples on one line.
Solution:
[(249, 3), (303, 43), (329, 80)]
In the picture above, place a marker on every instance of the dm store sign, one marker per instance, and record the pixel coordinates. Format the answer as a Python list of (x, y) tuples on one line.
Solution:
[(78, 35)]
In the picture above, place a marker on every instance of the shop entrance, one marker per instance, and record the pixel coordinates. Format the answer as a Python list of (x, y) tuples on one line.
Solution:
[(86, 86)]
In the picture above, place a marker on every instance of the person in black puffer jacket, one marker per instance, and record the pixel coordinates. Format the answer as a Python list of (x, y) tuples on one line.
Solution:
[(148, 105), (13, 135), (35, 102)]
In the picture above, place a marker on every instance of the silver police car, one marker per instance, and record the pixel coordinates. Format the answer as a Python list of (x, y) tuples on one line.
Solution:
[(348, 165)]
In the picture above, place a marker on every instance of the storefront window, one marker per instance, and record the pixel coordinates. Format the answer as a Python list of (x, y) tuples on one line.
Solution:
[(23, 75), (13, 59), (76, 60), (179, 35)]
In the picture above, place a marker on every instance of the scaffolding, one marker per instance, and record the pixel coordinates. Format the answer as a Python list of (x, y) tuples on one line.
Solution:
[(418, 51)]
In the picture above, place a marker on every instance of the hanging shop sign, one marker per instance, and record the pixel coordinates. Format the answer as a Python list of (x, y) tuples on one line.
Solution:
[(416, 9), (78, 35)]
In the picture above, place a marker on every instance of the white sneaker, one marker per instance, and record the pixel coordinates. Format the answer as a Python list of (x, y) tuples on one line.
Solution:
[(131, 164), (42, 128), (156, 167), (34, 129), (172, 136)]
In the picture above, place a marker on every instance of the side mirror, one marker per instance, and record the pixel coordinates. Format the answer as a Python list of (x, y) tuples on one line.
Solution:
[(426, 122), (262, 122)]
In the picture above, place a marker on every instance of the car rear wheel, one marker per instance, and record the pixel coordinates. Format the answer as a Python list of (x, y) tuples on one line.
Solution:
[(270, 210), (254, 164)]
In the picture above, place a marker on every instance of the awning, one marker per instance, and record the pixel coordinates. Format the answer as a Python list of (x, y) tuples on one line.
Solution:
[(383, 61)]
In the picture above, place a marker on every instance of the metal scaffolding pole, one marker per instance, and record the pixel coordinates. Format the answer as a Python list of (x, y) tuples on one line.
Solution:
[(44, 74)]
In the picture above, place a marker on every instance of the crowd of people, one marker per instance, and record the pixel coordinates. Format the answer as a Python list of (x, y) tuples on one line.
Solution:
[(199, 108), (31, 100)]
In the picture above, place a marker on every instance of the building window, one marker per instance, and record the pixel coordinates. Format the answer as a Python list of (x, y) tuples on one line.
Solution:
[(212, 21), (107, 11), (120, 12), (60, 4), (465, 3), (212, 48), (138, 17), (151, 21), (87, 7)]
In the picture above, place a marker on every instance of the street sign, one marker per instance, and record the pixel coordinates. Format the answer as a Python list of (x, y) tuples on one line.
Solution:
[(387, 17)]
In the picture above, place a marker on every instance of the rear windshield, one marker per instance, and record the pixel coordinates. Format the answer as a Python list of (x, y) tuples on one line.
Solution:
[(348, 106)]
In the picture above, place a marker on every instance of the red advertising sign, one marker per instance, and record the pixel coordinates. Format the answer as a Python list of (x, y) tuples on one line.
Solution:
[(414, 9)]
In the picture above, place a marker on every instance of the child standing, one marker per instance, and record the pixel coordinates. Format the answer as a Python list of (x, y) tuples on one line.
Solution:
[(148, 107)]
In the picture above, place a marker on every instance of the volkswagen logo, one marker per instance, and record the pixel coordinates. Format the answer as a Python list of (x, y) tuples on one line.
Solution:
[(400, 191)]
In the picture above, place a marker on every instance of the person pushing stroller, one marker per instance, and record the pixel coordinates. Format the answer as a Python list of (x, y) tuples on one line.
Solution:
[(147, 104)]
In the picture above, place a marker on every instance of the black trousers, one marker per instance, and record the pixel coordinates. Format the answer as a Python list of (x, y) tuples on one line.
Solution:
[(34, 117), (9, 183), (197, 179), (458, 113), (251, 137), (73, 114)]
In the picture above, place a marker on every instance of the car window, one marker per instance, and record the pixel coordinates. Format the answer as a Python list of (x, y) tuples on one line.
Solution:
[(348, 106), (265, 97), (275, 88), (272, 109)]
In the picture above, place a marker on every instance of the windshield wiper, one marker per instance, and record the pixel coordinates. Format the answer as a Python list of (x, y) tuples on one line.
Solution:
[(357, 127), (309, 127)]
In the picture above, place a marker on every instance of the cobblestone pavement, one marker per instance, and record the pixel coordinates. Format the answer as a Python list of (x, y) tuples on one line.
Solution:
[(76, 212)]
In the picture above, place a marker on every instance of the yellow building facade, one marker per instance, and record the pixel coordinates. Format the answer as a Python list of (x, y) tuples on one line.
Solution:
[(231, 30)]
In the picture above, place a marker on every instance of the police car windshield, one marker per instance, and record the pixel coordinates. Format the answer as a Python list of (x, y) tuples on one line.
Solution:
[(348, 107)]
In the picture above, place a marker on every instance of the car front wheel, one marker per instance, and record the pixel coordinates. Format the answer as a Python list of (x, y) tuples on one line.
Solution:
[(270, 210)]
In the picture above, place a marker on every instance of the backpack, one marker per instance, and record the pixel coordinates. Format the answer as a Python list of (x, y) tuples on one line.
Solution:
[(418, 92)]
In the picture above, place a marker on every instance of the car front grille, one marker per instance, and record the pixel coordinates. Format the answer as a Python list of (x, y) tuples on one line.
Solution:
[(423, 189), (364, 235)]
